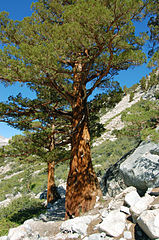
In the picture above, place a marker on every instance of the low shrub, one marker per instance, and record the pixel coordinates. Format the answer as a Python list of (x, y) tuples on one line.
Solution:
[(18, 211)]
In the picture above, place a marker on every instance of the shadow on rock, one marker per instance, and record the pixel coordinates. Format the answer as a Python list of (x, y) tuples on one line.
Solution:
[(55, 212)]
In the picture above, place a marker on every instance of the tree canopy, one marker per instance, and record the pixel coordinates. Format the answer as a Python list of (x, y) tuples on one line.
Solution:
[(46, 47)]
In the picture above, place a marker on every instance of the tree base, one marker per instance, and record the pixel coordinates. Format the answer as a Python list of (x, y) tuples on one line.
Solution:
[(82, 190), (53, 195)]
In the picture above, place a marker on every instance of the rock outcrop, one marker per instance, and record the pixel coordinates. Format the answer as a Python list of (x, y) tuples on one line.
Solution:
[(141, 169), (138, 168), (151, 93)]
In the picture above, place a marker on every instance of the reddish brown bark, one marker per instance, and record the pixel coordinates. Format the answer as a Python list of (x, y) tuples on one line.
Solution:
[(52, 193), (82, 184)]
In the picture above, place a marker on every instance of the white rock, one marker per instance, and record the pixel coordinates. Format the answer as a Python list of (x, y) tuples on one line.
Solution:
[(96, 236), (4, 238), (124, 192), (131, 198), (96, 205), (9, 195), (127, 235), (149, 223), (5, 202), (97, 201), (141, 206), (129, 225), (97, 198), (44, 229), (115, 204), (104, 212), (78, 225), (43, 238), (114, 223), (125, 210), (66, 236), (140, 169), (21, 232)]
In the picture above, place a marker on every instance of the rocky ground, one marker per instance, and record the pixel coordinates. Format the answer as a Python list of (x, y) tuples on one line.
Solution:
[(127, 216), (112, 119)]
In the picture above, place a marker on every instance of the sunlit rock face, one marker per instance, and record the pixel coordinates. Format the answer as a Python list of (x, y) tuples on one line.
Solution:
[(140, 169)]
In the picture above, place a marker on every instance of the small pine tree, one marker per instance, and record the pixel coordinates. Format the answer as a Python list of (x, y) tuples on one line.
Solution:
[(143, 83), (125, 90), (131, 96)]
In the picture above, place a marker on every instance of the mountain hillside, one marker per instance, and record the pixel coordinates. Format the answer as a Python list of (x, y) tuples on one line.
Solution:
[(112, 119)]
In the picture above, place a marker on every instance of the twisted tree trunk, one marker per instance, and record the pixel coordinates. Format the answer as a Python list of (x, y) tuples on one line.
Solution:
[(82, 184)]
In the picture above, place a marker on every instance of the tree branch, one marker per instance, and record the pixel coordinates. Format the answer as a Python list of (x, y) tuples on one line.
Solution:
[(103, 74), (60, 89)]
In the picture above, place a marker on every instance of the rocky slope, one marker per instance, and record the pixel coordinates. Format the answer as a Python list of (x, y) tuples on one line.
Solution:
[(112, 119)]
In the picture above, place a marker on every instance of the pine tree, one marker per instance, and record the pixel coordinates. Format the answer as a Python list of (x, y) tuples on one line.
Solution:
[(143, 83), (131, 96), (30, 148), (153, 24), (41, 140), (125, 89), (43, 133), (73, 47)]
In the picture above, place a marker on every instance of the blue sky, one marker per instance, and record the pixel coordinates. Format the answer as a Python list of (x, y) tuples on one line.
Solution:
[(19, 9)]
